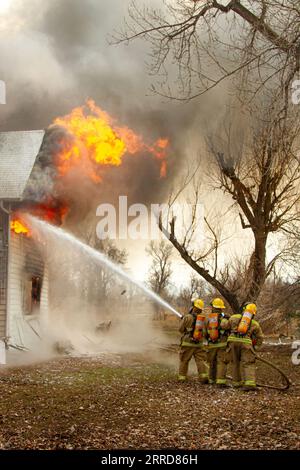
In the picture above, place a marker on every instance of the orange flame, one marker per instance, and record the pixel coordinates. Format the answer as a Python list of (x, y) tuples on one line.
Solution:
[(96, 140), (93, 141), (159, 150), (18, 227), (50, 212)]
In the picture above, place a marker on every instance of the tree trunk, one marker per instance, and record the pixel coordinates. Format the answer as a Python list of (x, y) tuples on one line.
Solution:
[(258, 261)]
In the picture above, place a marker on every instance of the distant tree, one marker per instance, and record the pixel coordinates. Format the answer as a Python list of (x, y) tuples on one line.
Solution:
[(279, 303), (160, 270), (101, 284), (107, 279), (197, 287), (79, 282)]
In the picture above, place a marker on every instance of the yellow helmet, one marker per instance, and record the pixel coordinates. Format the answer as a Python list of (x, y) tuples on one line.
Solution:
[(251, 308), (198, 303), (218, 303)]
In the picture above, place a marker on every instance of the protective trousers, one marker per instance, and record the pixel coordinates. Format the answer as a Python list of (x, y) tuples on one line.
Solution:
[(185, 355), (243, 365), (217, 359)]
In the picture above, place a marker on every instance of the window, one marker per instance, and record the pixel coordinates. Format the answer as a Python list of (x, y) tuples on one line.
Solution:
[(36, 287), (32, 295)]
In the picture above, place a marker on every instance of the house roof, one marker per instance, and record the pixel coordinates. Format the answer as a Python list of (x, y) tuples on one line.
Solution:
[(18, 152)]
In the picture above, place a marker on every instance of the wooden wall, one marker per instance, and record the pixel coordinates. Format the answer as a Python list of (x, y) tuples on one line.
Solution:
[(3, 271), (25, 261)]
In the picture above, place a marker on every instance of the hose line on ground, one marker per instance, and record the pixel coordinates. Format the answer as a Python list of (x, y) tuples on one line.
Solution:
[(270, 364)]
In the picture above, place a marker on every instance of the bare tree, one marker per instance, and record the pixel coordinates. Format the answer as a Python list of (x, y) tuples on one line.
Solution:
[(101, 282), (280, 304), (160, 271), (256, 43), (196, 287), (263, 182), (211, 41), (105, 279)]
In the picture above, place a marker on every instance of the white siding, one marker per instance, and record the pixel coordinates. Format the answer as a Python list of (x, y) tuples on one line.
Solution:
[(44, 300), (22, 327), (3, 271)]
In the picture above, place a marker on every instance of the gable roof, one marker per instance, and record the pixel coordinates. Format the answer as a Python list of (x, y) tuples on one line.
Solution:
[(18, 152)]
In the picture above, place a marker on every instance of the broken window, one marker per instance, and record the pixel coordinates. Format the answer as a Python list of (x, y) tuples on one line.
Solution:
[(32, 297), (36, 287), (33, 278)]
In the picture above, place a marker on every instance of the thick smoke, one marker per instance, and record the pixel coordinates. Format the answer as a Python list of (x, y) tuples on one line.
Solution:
[(55, 55)]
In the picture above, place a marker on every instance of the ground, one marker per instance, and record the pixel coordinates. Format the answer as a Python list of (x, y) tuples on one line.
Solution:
[(132, 401)]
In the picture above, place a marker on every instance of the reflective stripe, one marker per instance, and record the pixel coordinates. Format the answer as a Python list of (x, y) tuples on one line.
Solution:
[(216, 345), (192, 345), (250, 383), (182, 377), (236, 339), (220, 381)]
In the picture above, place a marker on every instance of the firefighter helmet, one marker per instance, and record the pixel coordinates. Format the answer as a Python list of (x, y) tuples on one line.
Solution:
[(198, 303), (217, 303), (249, 307)]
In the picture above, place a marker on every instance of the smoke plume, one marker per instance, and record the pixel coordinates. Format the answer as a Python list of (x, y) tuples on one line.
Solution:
[(55, 55)]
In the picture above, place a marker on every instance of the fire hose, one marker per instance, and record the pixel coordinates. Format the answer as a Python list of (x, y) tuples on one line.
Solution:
[(284, 387), (288, 383), (270, 364)]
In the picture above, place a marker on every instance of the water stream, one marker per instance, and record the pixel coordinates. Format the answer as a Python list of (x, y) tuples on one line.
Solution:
[(48, 229)]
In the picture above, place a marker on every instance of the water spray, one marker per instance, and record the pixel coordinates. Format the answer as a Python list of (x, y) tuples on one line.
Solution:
[(42, 226)]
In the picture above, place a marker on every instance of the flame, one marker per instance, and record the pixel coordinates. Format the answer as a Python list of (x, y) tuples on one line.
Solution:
[(18, 226), (93, 140), (50, 210), (160, 151), (96, 141)]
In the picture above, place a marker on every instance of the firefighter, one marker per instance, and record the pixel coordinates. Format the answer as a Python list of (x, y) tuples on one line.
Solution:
[(216, 334), (192, 328), (245, 337)]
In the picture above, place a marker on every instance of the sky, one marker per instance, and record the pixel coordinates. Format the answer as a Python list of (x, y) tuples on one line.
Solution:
[(54, 54)]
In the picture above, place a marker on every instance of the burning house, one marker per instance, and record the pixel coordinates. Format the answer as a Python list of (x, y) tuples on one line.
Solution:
[(56, 174), (23, 271)]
